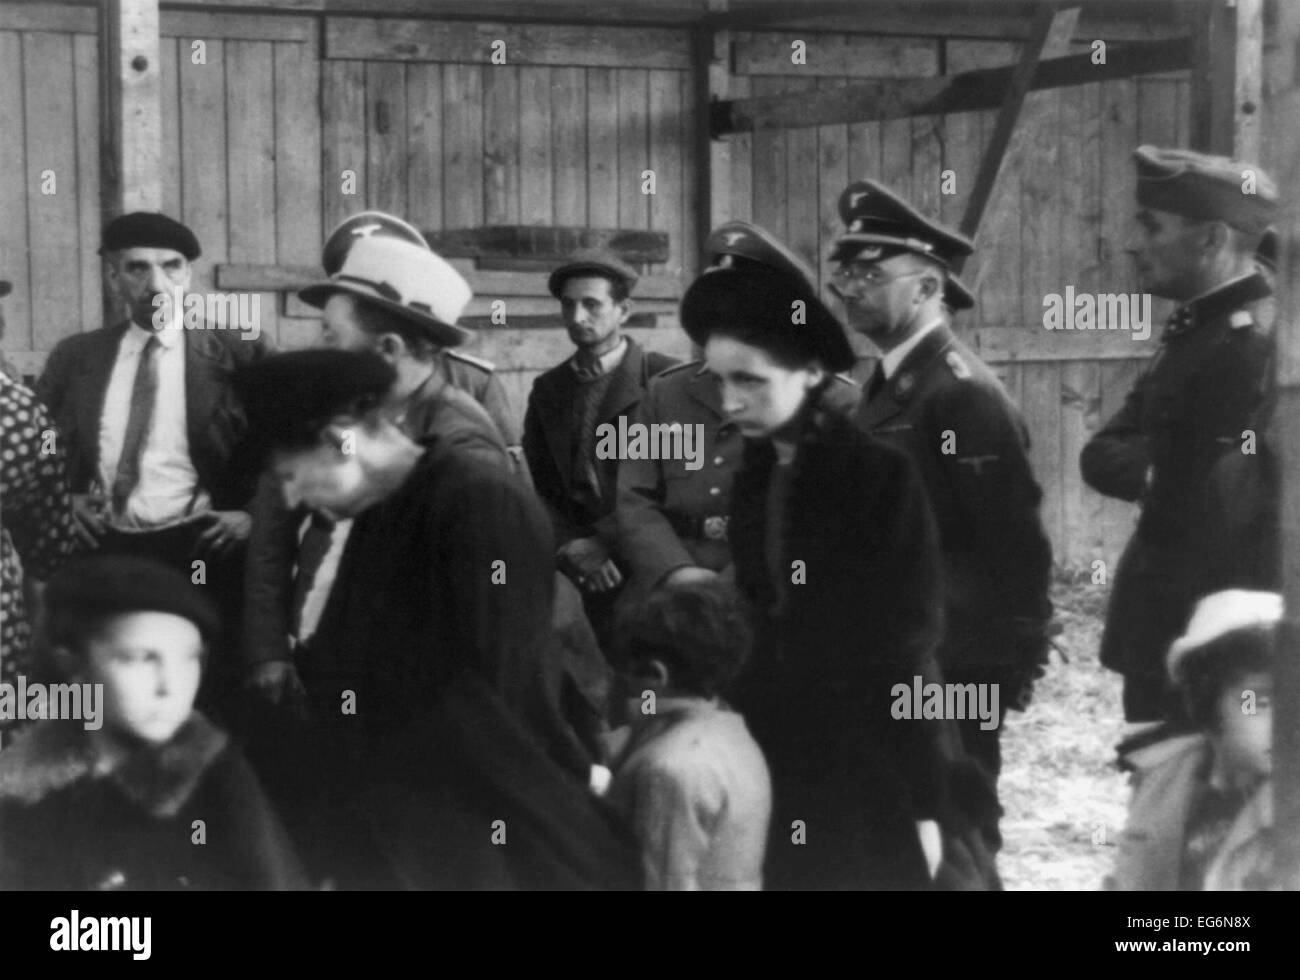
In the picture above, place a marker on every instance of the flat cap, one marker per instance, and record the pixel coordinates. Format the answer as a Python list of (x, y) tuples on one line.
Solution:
[(6, 287), (106, 585), (878, 223), (592, 262), (763, 306), (1205, 188), (289, 398), (1219, 614), (145, 229), (740, 244), (364, 224)]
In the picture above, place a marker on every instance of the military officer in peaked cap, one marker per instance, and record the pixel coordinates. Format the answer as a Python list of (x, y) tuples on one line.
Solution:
[(672, 520), (1200, 221), (933, 398)]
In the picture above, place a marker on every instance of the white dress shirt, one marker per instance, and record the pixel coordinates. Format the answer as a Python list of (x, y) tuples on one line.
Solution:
[(890, 362), (169, 485)]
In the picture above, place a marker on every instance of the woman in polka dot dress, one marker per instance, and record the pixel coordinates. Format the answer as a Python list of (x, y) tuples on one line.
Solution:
[(35, 521)]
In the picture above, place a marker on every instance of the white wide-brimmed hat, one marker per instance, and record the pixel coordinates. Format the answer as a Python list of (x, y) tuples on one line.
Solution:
[(1219, 614), (405, 279)]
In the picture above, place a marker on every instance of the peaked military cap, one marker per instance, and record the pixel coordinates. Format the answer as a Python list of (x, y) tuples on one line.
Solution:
[(364, 224), (592, 262), (1203, 187), (289, 398), (108, 585), (878, 223), (145, 229), (740, 245)]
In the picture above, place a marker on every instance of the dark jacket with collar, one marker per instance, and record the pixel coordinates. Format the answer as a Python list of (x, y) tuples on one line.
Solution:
[(1207, 384), (75, 381), (670, 516), (948, 411), (819, 689), (549, 439)]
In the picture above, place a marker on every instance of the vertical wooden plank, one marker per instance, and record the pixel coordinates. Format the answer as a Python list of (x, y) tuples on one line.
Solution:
[(769, 166), (803, 210), (14, 254), (299, 231), (633, 139), (569, 145), (203, 152), (500, 144), (85, 74), (864, 149), (462, 142), (51, 217), (694, 180), (1039, 218), (1119, 137), (743, 156), (927, 164), (386, 136), (961, 151), (602, 148), (132, 108), (536, 171), (250, 164), (169, 69), (1158, 124), (1041, 404), (832, 178), (666, 137), (424, 145), (343, 140)]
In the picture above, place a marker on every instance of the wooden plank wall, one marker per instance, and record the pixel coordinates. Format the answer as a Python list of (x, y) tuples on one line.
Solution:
[(1076, 205)]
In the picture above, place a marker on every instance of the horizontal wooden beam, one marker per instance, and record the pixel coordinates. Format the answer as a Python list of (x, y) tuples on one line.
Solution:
[(898, 98), (1033, 343), (552, 322), (208, 26), (474, 42), (547, 242), (835, 55)]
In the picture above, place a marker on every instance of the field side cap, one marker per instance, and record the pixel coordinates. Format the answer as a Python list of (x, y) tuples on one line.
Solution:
[(1204, 187)]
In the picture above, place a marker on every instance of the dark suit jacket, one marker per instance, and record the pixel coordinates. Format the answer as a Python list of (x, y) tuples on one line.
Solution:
[(997, 557), (75, 381), (549, 439)]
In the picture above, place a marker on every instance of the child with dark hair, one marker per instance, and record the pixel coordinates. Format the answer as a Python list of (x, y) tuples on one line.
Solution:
[(139, 791), (689, 776), (1201, 815)]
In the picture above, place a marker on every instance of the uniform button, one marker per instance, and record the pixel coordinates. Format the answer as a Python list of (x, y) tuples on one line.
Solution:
[(717, 460), (714, 491)]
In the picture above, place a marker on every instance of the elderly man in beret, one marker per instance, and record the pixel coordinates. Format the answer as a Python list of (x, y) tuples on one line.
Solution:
[(434, 676), (150, 425), (672, 520), (933, 398), (604, 379), (1200, 221)]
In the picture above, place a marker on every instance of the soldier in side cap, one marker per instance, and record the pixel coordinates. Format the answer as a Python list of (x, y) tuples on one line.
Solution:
[(1200, 219), (603, 380), (151, 428), (439, 625), (931, 397), (672, 520)]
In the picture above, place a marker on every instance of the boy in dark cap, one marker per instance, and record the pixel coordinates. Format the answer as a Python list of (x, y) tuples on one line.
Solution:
[(1200, 220), (603, 380), (671, 519), (434, 675), (894, 276), (150, 427), (149, 794)]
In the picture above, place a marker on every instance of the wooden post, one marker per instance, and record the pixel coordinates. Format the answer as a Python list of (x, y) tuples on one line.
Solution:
[(1249, 79), (1281, 147), (131, 164), (718, 86), (1214, 76)]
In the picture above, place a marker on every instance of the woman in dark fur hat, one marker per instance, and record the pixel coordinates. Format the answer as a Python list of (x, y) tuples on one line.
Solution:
[(836, 551)]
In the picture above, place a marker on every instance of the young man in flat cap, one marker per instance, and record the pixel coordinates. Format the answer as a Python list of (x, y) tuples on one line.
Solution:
[(931, 397), (148, 420), (434, 675), (1200, 221), (671, 519), (604, 379)]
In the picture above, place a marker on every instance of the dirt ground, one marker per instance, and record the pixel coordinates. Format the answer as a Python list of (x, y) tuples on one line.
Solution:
[(1064, 799)]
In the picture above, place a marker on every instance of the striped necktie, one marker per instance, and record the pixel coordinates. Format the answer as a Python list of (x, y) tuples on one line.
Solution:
[(144, 392)]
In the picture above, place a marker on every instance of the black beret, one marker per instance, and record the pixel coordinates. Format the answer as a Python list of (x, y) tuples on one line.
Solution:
[(1204, 187), (591, 262), (289, 398), (107, 585), (763, 304), (143, 229)]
